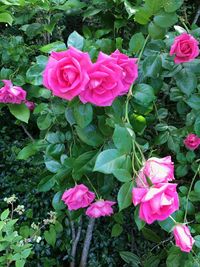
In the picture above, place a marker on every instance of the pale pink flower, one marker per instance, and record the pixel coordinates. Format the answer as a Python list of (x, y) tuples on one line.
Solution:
[(183, 237), (100, 208), (78, 197), (12, 94)]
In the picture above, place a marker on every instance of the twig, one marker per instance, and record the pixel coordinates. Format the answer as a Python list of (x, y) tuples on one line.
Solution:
[(75, 243), (86, 246), (26, 131), (196, 16)]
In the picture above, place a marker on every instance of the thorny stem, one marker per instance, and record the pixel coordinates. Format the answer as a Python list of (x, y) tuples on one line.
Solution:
[(188, 195)]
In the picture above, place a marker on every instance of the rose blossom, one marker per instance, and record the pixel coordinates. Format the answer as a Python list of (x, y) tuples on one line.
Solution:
[(183, 237), (11, 94), (185, 48), (157, 202), (129, 69), (158, 170), (100, 208), (66, 73), (105, 82), (192, 141), (78, 197), (30, 105)]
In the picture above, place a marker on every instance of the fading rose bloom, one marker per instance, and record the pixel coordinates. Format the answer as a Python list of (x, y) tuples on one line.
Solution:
[(192, 141), (158, 170), (129, 69), (78, 197), (105, 82), (157, 202), (185, 48), (30, 105), (100, 208), (66, 73), (12, 94), (183, 237)]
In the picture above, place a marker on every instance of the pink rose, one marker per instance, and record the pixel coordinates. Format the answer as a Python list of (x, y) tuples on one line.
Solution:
[(11, 94), (78, 197), (129, 69), (157, 170), (183, 237), (105, 82), (30, 105), (185, 48), (192, 141), (66, 73), (157, 202), (100, 208)]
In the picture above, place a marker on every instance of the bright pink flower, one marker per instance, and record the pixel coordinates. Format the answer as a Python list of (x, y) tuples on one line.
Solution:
[(183, 237), (105, 82), (11, 94), (158, 170), (157, 202), (66, 73), (129, 69), (100, 208), (192, 141), (185, 48), (30, 105), (78, 197)]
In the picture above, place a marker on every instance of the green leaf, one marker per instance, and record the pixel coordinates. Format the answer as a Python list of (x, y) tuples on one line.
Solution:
[(194, 102), (83, 114), (122, 139), (44, 121), (20, 263), (168, 224), (109, 160), (50, 236), (140, 224), (124, 196), (154, 5), (186, 81), (122, 175), (151, 235), (172, 5), (155, 31), (29, 150), (197, 241), (143, 15), (165, 20), (91, 11), (152, 66), (55, 46), (20, 111), (197, 126), (57, 203), (6, 18), (143, 94), (117, 229), (75, 40), (130, 257), (34, 74), (176, 258), (197, 187), (90, 135), (4, 214), (136, 42), (46, 184), (131, 10)]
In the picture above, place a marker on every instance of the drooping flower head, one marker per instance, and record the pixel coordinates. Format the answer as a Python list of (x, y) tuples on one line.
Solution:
[(100, 208), (183, 237), (12, 94)]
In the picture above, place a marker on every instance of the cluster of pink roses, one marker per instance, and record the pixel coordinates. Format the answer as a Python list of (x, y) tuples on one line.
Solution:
[(192, 141), (10, 94), (71, 73), (80, 197), (158, 198)]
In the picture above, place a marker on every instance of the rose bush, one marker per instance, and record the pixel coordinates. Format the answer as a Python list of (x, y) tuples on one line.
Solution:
[(118, 115)]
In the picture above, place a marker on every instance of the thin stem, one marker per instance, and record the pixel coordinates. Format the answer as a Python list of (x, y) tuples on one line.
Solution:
[(185, 26), (92, 187), (172, 219), (139, 149), (142, 50), (188, 195), (27, 132)]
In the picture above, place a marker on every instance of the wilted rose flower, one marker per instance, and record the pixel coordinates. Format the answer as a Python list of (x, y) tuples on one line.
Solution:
[(105, 82), (30, 105), (66, 73), (185, 48), (11, 94), (192, 141), (158, 170), (129, 69), (78, 197), (183, 237), (157, 202), (100, 208)]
